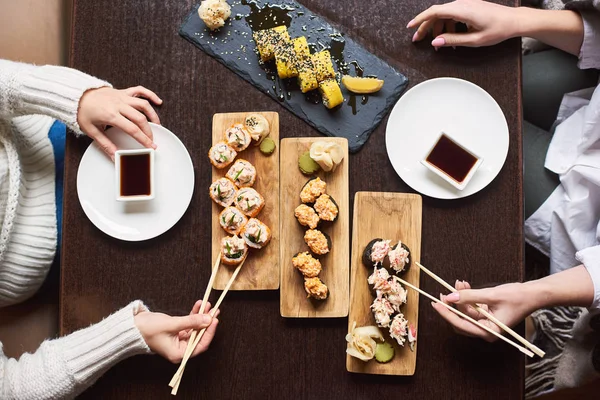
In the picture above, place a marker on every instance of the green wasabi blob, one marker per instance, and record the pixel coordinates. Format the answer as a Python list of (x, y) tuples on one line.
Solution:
[(307, 165), (384, 352), (267, 146)]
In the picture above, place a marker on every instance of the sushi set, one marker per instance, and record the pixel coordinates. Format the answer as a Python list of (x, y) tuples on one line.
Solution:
[(245, 193), (315, 228)]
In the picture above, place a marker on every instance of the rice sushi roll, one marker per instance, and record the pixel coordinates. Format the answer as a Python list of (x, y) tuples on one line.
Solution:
[(396, 294), (308, 266), (326, 208), (221, 155), (233, 250), (222, 191), (238, 137), (398, 329), (232, 220), (242, 173), (375, 252), (379, 281), (382, 310), (317, 241), (249, 201), (315, 288), (306, 216), (399, 257), (256, 234), (312, 189)]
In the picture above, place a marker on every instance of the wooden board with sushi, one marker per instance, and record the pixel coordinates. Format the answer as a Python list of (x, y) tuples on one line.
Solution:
[(315, 228), (245, 190), (386, 242)]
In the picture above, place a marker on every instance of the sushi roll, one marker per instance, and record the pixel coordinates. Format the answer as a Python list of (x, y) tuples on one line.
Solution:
[(222, 191), (399, 257), (249, 201), (396, 294), (242, 173), (308, 266), (233, 250), (379, 281), (312, 189), (315, 288), (327, 208), (317, 241), (382, 311), (232, 220), (238, 137), (375, 252), (306, 216), (256, 234), (398, 329), (221, 155), (267, 40)]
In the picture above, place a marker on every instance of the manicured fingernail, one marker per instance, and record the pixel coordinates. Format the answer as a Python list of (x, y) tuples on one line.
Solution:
[(453, 297), (410, 23), (438, 42), (456, 283), (154, 146), (414, 38), (433, 304)]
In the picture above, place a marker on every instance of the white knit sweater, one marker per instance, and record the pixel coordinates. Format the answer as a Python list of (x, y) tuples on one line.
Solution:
[(30, 99)]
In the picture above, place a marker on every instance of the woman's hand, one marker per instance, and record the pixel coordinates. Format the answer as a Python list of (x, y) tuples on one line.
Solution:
[(169, 336), (123, 109), (487, 23), (510, 303)]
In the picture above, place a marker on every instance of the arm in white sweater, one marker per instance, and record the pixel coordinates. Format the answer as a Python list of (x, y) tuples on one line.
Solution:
[(65, 367), (27, 89)]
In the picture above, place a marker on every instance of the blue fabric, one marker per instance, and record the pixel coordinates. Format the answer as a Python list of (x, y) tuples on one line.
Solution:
[(57, 136)]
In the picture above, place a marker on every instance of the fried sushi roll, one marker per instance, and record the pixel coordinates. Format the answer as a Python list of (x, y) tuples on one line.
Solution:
[(375, 252), (222, 191), (249, 201), (256, 234), (238, 137), (232, 220), (221, 155), (308, 266), (306, 216), (242, 173), (315, 288), (267, 40), (399, 257), (327, 208), (317, 241), (233, 250), (312, 189)]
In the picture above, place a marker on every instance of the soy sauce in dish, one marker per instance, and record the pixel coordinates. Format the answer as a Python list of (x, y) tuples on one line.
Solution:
[(451, 159), (135, 175)]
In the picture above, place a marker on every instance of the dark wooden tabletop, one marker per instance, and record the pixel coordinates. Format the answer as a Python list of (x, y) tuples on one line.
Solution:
[(258, 354)]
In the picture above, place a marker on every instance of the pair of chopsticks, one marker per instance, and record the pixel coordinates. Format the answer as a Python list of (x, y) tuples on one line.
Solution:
[(196, 336), (529, 348)]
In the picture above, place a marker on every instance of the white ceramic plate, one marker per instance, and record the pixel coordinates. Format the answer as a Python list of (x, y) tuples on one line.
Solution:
[(463, 110), (135, 221)]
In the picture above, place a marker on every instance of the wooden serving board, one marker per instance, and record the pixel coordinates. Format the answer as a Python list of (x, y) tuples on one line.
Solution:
[(293, 301), (395, 216), (261, 269)]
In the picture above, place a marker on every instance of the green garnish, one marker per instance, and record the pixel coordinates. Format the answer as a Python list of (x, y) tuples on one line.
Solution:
[(258, 236), (219, 191), (222, 157), (231, 219), (238, 174), (238, 139), (248, 205), (239, 198), (227, 247), (237, 255), (223, 219)]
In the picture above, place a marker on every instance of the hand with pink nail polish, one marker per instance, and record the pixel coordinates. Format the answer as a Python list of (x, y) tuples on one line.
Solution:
[(487, 23)]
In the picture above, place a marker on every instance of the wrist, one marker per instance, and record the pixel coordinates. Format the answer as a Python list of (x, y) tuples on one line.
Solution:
[(525, 21), (537, 295)]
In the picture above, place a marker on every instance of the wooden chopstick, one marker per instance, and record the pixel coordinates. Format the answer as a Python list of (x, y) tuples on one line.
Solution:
[(460, 314), (179, 374), (489, 316), (189, 349)]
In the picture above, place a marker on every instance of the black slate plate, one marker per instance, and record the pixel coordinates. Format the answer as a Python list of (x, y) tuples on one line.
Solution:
[(233, 46)]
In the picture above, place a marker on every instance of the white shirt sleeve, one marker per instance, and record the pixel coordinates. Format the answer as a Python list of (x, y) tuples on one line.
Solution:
[(65, 367), (589, 54), (590, 258)]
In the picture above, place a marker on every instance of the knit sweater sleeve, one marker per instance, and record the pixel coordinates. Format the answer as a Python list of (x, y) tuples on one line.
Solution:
[(27, 89), (65, 367)]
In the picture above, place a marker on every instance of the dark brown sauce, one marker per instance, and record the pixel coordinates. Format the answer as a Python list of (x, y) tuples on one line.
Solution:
[(451, 159), (269, 16), (135, 175)]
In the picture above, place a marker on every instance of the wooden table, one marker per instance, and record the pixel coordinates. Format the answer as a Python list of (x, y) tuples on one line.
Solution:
[(258, 354)]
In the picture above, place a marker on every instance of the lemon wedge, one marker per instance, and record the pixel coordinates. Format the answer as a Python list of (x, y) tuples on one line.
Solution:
[(359, 85)]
